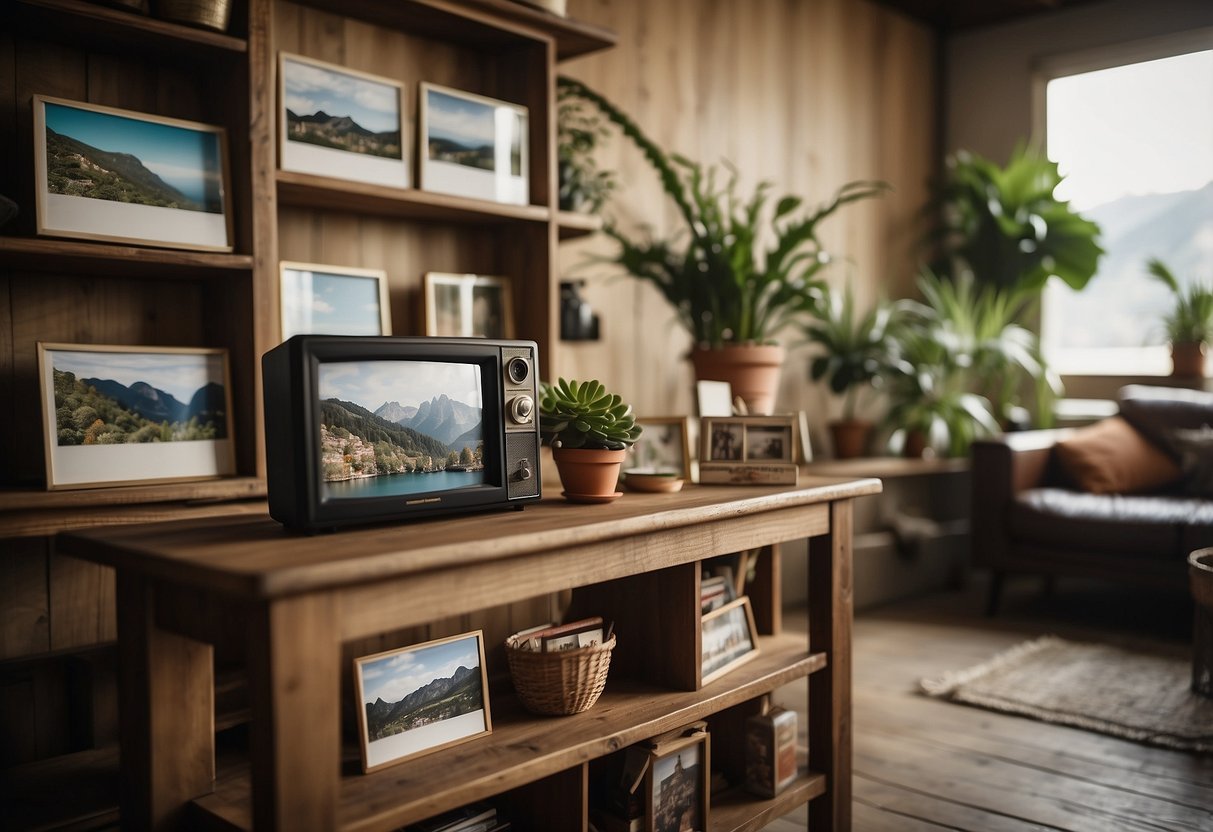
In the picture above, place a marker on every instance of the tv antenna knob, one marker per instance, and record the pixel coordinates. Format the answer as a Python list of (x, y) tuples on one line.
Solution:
[(522, 408)]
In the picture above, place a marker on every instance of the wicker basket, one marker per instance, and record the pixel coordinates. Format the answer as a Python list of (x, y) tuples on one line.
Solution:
[(560, 683), (207, 14)]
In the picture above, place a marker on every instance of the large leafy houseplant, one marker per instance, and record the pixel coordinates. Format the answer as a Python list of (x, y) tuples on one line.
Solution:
[(740, 269)]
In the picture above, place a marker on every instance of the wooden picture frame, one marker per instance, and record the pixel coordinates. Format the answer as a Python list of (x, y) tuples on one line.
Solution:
[(339, 122), (144, 179), (333, 300), (677, 784), (763, 439), (472, 145), (407, 672), (93, 394), (468, 305), (728, 639), (663, 447)]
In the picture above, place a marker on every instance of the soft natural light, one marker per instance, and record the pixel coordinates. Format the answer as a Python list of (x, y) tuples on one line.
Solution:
[(1135, 144)]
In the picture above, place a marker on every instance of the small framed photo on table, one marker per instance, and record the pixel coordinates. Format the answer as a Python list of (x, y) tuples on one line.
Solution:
[(663, 448), (419, 699), (107, 174), (728, 639), (749, 450), (676, 785), (120, 415), (468, 306), (473, 146), (339, 122), (333, 300)]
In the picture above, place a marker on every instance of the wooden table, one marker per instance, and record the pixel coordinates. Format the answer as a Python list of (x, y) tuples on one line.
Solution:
[(185, 586)]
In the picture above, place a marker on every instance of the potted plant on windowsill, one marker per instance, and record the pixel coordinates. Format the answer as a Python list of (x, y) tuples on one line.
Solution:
[(589, 430), (583, 186), (730, 293), (1189, 324)]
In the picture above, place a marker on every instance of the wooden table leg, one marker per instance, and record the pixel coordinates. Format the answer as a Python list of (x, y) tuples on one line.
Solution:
[(166, 713), (294, 661), (830, 610)]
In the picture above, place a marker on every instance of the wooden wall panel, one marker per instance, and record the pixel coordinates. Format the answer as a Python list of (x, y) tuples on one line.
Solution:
[(81, 603), (24, 604), (808, 94)]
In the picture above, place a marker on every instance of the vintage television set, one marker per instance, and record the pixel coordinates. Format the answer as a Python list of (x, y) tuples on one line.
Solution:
[(373, 429)]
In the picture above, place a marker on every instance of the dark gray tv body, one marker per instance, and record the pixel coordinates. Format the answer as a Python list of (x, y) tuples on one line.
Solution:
[(290, 374)]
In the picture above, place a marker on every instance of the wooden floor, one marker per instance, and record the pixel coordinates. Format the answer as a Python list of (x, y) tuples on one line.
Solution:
[(921, 764)]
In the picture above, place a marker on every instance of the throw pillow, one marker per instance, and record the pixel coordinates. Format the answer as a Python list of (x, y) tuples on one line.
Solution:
[(1196, 459), (1110, 457)]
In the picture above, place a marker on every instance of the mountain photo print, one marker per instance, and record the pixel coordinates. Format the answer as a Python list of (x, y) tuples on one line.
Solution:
[(341, 123), (473, 146), (115, 415), (118, 175), (421, 698)]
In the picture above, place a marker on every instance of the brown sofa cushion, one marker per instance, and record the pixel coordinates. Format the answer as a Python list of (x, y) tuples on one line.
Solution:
[(1110, 457)]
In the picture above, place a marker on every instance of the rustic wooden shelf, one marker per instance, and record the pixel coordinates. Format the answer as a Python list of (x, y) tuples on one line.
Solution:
[(39, 254), (72, 791), (309, 191), (93, 25), (574, 38), (524, 748), (738, 811), (573, 224)]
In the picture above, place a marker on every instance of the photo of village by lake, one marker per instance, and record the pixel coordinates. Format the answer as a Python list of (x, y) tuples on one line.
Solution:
[(389, 428), (422, 697)]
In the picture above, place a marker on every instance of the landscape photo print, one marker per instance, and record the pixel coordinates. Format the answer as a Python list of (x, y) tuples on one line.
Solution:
[(421, 698), (116, 415), (107, 174), (473, 146), (339, 122), (333, 300), (393, 428)]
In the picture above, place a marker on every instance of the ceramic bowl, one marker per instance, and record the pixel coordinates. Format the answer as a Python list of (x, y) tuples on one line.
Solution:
[(648, 481)]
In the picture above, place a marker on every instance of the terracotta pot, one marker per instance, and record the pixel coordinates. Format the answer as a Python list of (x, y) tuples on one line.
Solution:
[(915, 445), (1188, 359), (850, 438), (588, 475), (752, 370)]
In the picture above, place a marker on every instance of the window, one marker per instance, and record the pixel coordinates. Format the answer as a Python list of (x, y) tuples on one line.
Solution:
[(1135, 143)]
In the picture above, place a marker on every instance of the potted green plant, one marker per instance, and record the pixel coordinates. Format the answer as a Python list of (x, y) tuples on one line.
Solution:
[(1005, 230), (583, 186), (1189, 324), (589, 430), (731, 292), (855, 356)]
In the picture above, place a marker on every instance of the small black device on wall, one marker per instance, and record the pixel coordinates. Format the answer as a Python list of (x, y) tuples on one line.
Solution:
[(373, 429)]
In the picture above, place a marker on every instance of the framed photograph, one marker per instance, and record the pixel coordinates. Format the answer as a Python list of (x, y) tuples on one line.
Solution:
[(468, 306), (128, 415), (333, 300), (677, 785), (763, 439), (473, 146), (662, 448), (421, 698), (339, 122), (728, 640), (107, 174)]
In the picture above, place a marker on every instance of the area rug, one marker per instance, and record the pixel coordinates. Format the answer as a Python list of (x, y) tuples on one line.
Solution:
[(1137, 696)]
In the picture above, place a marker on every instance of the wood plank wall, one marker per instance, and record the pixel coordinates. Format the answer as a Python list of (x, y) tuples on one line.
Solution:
[(807, 93)]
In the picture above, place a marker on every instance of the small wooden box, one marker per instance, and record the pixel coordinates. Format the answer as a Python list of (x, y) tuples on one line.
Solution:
[(770, 752)]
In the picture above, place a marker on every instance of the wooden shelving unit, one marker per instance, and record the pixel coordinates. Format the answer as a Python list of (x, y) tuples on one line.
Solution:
[(573, 225), (299, 600)]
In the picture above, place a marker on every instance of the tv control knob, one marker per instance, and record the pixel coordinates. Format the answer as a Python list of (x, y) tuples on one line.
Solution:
[(522, 408), (524, 470)]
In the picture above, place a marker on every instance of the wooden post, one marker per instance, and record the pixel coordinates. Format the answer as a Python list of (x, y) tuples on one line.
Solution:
[(166, 713), (766, 594), (295, 690), (830, 609)]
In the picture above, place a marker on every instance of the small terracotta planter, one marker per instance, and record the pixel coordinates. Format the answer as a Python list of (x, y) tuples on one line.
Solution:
[(588, 475), (752, 370), (850, 438), (1188, 359)]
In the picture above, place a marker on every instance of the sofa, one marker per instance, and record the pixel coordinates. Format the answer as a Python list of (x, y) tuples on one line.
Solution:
[(1125, 499)]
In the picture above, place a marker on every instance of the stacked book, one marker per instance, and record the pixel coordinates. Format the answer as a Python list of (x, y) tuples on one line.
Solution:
[(475, 817)]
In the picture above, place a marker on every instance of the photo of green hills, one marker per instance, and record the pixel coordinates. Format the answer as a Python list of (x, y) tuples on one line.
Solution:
[(96, 411)]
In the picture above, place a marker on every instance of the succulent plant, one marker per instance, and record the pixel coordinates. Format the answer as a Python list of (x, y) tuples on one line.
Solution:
[(584, 415)]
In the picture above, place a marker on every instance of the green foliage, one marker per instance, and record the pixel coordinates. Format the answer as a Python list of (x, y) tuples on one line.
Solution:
[(724, 287), (578, 132), (85, 417), (359, 422), (856, 351), (1005, 227), (584, 415), (1191, 319)]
